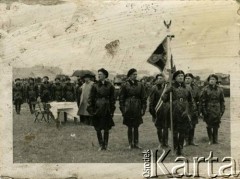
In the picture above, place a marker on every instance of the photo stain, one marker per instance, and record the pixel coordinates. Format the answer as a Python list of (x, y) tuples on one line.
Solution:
[(112, 47)]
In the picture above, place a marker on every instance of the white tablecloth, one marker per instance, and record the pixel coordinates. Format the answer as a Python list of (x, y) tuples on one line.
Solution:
[(70, 108)]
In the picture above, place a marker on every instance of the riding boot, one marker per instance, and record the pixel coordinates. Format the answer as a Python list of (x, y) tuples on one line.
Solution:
[(136, 138), (210, 135), (106, 137), (180, 143), (191, 135), (165, 138), (215, 135), (100, 140), (130, 138), (160, 138)]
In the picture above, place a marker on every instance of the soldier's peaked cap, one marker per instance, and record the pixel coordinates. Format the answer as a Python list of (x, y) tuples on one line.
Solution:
[(17, 79)]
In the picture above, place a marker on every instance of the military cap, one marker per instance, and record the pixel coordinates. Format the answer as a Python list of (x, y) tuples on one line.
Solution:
[(31, 79), (67, 78), (177, 73), (105, 72), (17, 79), (212, 75), (57, 78), (161, 74), (46, 77), (189, 75), (131, 71)]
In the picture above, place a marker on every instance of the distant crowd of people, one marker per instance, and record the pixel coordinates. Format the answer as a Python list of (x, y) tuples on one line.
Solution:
[(96, 101)]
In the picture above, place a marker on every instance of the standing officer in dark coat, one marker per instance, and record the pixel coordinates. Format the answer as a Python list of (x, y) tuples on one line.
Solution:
[(213, 107), (46, 93), (46, 90), (32, 94), (68, 94), (57, 90), (194, 108), (18, 95), (101, 105), (181, 98), (133, 102), (160, 118)]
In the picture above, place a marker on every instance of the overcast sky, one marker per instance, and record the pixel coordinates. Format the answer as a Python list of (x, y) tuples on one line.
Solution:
[(206, 35)]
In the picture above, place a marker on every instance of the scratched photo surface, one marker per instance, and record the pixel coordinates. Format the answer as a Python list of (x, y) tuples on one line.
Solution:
[(56, 38)]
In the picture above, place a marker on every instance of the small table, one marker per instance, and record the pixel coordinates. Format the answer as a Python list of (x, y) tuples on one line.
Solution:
[(70, 108)]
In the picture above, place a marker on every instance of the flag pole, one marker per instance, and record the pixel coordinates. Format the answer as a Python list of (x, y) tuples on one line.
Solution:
[(169, 55)]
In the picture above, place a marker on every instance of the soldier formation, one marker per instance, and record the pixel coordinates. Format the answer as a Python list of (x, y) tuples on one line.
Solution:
[(96, 102)]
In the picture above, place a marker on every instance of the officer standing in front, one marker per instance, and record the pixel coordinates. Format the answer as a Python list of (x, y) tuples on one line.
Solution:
[(213, 107), (133, 103), (101, 107)]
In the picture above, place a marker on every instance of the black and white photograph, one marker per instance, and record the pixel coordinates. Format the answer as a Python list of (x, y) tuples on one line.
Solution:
[(103, 89)]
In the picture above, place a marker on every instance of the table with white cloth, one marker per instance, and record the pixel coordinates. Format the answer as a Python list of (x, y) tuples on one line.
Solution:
[(70, 108)]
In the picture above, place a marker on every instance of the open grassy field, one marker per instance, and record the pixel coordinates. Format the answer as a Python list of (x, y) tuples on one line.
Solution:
[(42, 142)]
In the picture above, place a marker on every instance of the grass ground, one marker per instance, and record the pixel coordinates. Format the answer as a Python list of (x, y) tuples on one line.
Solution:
[(42, 142)]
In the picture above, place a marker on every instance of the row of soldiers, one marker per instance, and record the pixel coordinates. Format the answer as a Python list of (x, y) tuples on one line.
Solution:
[(45, 90), (188, 102), (96, 101)]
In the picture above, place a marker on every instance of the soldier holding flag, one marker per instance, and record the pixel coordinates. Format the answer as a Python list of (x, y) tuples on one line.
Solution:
[(161, 116), (181, 97)]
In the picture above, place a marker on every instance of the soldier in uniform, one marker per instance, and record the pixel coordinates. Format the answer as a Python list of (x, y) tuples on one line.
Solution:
[(18, 95), (68, 94), (133, 103), (194, 108), (181, 98), (46, 93), (160, 118), (101, 105), (213, 107), (32, 94), (57, 90)]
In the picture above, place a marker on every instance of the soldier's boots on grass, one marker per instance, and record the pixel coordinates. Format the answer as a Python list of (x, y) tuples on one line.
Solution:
[(210, 135), (191, 137), (215, 135), (130, 138), (136, 139), (103, 140)]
